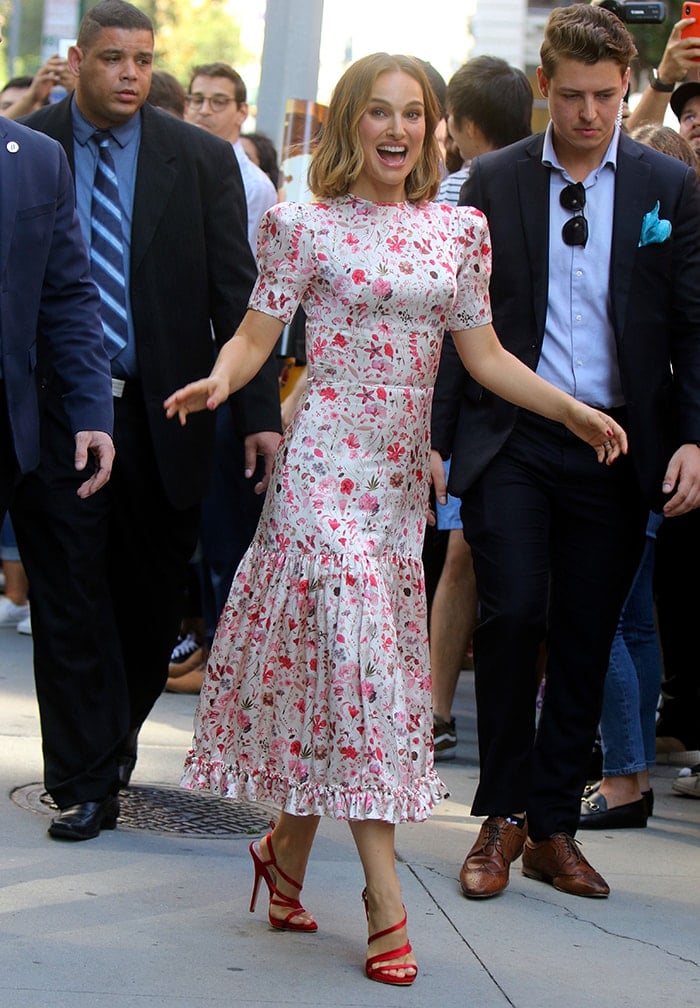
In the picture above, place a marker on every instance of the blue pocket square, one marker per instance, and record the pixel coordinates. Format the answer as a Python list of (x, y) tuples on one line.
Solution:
[(654, 230)]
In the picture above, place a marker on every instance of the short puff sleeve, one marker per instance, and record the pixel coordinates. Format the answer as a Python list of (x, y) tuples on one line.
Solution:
[(285, 260), (472, 304)]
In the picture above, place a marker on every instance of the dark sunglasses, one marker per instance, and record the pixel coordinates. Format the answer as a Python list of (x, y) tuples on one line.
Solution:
[(573, 198)]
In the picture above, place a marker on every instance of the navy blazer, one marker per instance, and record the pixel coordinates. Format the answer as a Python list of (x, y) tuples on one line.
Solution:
[(46, 293), (654, 304), (192, 272)]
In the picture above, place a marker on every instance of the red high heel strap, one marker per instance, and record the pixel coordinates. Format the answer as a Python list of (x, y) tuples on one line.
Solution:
[(277, 898), (389, 930), (386, 973), (272, 861)]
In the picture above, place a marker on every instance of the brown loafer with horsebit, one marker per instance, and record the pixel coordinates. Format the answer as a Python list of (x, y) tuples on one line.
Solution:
[(486, 866), (559, 862)]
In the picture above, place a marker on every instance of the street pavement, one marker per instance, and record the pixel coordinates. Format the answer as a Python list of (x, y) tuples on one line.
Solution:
[(142, 918)]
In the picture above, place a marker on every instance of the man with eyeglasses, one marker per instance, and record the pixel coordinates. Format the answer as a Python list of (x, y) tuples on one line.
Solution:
[(596, 286), (178, 272), (217, 102)]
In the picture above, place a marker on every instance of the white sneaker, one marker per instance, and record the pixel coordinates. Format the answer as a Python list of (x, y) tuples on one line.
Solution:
[(688, 782), (25, 626), (11, 614)]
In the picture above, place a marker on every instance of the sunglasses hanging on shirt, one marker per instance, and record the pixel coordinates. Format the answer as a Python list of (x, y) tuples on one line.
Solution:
[(573, 198)]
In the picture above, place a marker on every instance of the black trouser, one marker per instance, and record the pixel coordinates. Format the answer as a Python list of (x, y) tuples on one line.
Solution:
[(150, 546), (556, 539), (79, 674), (677, 609), (229, 517), (107, 607)]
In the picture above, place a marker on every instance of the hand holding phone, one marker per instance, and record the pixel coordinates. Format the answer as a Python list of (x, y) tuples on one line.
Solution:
[(64, 44), (691, 10)]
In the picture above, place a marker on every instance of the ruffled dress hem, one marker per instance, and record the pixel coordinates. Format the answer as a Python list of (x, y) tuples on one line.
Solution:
[(402, 804)]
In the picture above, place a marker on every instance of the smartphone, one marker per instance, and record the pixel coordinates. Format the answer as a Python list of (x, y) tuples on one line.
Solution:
[(691, 10), (64, 44)]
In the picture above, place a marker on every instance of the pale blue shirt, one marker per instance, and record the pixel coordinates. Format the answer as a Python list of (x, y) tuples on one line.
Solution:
[(124, 149), (579, 354), (260, 193)]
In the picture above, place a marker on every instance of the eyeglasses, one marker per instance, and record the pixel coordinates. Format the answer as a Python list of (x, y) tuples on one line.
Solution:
[(217, 103), (573, 198)]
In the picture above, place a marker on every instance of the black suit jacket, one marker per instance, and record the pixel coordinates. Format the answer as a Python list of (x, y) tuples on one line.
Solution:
[(191, 274), (654, 302)]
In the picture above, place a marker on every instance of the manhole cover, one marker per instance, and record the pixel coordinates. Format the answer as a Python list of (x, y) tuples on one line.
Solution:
[(158, 808)]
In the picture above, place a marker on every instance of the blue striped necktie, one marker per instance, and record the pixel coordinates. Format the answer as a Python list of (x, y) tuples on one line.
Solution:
[(106, 248)]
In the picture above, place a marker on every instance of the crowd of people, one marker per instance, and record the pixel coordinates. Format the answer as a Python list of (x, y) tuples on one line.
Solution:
[(531, 317)]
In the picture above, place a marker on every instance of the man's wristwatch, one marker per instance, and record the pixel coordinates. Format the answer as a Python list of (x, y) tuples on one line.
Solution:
[(659, 85)]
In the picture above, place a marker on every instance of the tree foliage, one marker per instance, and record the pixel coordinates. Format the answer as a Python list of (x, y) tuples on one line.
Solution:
[(29, 43), (190, 32), (187, 32)]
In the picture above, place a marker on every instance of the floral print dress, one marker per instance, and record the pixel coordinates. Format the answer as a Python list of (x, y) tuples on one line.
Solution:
[(317, 695)]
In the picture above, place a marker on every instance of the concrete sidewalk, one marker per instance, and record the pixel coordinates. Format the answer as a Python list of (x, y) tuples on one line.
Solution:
[(144, 919)]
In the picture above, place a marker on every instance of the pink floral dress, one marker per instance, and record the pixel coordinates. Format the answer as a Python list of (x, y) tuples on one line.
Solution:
[(317, 695)]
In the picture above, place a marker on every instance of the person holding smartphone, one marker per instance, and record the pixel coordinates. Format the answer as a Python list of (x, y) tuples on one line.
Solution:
[(680, 61), (51, 82)]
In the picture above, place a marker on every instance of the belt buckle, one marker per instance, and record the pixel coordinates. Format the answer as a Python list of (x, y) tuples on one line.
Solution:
[(118, 387)]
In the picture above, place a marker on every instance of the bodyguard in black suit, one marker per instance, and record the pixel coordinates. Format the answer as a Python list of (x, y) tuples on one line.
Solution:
[(596, 286), (190, 273)]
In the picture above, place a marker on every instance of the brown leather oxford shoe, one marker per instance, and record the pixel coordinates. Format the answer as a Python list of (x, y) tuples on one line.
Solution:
[(486, 866), (559, 862)]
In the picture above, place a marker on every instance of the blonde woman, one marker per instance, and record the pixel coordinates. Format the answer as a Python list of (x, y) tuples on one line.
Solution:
[(317, 694)]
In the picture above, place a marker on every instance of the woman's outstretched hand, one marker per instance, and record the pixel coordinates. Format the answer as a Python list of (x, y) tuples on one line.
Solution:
[(600, 431), (207, 393)]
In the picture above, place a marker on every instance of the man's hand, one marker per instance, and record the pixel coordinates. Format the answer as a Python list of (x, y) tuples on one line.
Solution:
[(100, 446), (55, 71), (437, 475), (263, 443), (680, 54), (682, 479)]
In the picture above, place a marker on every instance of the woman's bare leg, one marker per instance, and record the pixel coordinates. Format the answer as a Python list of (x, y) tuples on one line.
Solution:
[(375, 844), (292, 839)]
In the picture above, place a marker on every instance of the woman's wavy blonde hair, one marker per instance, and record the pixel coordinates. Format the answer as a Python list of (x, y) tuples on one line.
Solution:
[(338, 159)]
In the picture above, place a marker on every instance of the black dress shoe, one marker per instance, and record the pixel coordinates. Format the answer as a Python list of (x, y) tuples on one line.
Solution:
[(648, 796), (85, 820), (591, 788), (595, 814), (126, 761)]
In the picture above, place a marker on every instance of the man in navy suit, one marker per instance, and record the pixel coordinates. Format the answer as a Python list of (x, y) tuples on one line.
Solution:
[(596, 286), (51, 347), (47, 299), (189, 272)]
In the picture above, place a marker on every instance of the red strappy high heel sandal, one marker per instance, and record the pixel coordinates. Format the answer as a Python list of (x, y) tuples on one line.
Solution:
[(383, 974), (276, 897)]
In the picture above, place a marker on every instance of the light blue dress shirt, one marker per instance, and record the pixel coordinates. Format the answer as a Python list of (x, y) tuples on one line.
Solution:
[(124, 149), (579, 354)]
